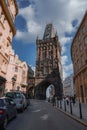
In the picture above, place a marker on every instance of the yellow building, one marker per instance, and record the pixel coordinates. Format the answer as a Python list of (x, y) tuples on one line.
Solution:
[(79, 59)]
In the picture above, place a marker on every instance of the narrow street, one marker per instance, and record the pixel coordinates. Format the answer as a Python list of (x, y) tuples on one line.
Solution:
[(42, 116)]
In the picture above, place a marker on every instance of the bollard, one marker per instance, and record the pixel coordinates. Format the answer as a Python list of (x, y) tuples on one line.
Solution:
[(60, 104), (65, 105), (80, 110)]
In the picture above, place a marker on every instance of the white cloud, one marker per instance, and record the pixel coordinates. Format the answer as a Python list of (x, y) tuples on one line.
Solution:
[(63, 49), (61, 13), (27, 13), (25, 37), (65, 40), (68, 67), (33, 27), (67, 70), (64, 59)]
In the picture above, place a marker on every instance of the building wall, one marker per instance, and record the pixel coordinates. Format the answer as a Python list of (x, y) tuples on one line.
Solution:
[(68, 86), (18, 70), (7, 31), (79, 58)]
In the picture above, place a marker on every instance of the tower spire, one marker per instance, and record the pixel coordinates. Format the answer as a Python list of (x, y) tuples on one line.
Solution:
[(49, 31)]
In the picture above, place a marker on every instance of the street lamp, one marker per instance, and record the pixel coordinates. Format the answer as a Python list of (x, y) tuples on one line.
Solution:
[(13, 82)]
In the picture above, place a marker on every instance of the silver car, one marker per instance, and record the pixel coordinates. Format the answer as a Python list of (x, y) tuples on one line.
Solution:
[(18, 98)]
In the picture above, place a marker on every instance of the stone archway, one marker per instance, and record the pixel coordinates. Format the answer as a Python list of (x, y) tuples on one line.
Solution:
[(40, 89)]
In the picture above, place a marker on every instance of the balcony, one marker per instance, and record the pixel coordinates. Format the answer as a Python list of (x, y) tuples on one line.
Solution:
[(6, 52), (24, 85), (9, 39), (3, 69)]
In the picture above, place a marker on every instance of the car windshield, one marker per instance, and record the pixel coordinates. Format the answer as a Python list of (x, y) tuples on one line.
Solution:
[(1, 102), (13, 95)]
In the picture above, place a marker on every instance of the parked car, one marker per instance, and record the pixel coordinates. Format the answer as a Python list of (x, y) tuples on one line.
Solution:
[(27, 99), (18, 98), (7, 111)]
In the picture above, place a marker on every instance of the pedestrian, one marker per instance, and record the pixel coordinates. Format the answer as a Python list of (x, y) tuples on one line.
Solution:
[(67, 100), (53, 100), (73, 100), (56, 101)]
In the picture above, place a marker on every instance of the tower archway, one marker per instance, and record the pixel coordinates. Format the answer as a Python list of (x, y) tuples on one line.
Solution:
[(40, 89)]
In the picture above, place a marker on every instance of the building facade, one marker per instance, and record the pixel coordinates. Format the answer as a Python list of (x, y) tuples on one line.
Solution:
[(79, 59), (31, 82), (8, 12), (48, 61), (68, 86), (17, 74)]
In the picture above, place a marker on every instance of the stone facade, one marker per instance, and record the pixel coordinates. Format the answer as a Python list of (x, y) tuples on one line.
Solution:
[(68, 86), (8, 12), (48, 62), (79, 59)]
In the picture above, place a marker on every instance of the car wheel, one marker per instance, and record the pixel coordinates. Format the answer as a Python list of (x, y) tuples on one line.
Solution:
[(5, 123), (15, 114), (22, 109)]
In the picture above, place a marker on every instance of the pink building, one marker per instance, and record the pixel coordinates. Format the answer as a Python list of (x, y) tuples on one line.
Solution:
[(17, 74), (8, 12)]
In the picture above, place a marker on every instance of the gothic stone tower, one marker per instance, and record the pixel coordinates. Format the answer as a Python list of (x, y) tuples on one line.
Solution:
[(48, 62)]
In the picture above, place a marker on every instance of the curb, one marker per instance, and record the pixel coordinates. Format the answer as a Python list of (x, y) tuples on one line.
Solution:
[(71, 116)]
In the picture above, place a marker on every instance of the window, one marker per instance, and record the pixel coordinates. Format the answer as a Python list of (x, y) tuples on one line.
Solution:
[(23, 72), (16, 69), (86, 40), (79, 37), (80, 47), (84, 29), (7, 44)]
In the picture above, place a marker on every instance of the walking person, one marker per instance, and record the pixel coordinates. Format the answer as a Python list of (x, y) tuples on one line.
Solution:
[(53, 100), (67, 100)]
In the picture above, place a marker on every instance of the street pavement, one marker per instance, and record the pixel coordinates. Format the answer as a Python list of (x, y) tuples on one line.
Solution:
[(42, 116)]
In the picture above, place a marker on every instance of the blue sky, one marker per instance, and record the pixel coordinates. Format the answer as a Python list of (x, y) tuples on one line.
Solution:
[(32, 18)]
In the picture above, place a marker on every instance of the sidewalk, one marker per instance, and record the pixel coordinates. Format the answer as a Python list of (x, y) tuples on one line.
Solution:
[(82, 121)]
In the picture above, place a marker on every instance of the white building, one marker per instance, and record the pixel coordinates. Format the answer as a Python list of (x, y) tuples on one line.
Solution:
[(68, 86)]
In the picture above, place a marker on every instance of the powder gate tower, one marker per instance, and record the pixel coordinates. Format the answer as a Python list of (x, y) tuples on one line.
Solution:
[(48, 64)]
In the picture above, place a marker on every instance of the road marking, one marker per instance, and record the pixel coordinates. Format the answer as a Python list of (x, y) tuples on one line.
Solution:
[(37, 110), (44, 117)]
